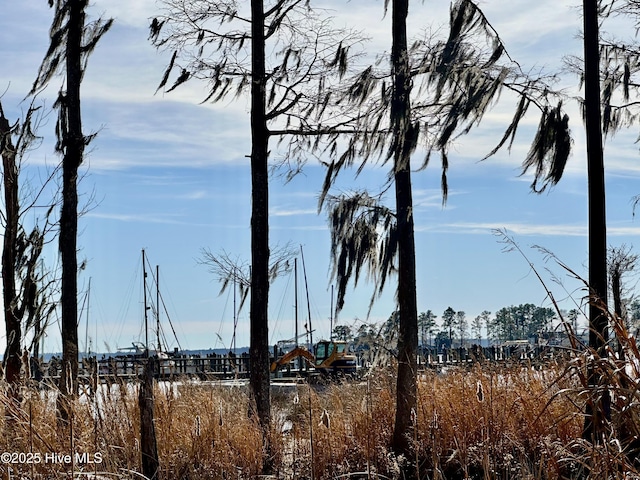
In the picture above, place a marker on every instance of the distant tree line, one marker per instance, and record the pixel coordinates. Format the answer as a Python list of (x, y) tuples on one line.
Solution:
[(515, 322)]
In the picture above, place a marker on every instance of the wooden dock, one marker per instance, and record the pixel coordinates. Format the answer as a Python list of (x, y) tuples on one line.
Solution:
[(215, 367)]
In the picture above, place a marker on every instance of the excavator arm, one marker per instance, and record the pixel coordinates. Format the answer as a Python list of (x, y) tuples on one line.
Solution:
[(295, 353)]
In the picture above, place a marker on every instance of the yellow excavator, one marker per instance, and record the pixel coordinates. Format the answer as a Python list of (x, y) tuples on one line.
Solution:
[(329, 357)]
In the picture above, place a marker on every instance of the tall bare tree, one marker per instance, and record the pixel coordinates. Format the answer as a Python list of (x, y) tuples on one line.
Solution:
[(589, 69), (25, 286), (259, 316), (620, 261), (404, 143), (225, 44), (72, 41), (12, 357), (598, 334), (609, 72), (431, 93)]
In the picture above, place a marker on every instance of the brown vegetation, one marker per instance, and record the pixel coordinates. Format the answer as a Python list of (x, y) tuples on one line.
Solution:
[(487, 422)]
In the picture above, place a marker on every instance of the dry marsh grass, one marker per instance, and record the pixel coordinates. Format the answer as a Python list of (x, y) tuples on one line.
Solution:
[(493, 423), (484, 423)]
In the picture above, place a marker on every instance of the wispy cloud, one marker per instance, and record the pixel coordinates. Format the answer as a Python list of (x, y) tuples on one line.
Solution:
[(195, 195), (288, 212), (301, 228), (622, 231), (138, 217), (430, 199), (167, 219), (553, 230), (515, 228)]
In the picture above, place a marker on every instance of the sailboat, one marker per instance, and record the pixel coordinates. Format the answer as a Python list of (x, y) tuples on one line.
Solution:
[(140, 350)]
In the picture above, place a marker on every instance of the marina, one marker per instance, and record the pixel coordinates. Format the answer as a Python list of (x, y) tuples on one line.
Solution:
[(219, 367)]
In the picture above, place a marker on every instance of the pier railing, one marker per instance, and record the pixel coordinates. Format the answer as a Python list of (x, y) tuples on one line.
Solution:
[(206, 367), (216, 366)]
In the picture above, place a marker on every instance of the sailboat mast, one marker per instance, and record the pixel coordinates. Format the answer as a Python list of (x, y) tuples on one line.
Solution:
[(306, 286), (331, 317), (158, 306), (235, 314), (144, 293), (86, 323), (295, 285)]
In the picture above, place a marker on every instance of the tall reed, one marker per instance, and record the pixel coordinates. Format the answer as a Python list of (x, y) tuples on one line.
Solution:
[(486, 422)]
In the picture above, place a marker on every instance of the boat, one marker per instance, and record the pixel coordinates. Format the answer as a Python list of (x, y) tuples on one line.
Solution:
[(131, 359)]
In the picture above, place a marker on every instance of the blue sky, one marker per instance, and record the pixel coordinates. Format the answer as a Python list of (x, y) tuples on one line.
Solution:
[(170, 175)]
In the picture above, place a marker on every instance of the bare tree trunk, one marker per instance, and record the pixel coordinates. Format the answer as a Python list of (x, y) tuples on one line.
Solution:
[(595, 415), (616, 288), (12, 356), (406, 395), (620, 261), (13, 323), (74, 141), (259, 335), (148, 441)]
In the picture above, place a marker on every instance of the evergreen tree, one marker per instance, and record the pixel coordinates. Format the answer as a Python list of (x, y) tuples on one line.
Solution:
[(343, 333), (478, 322), (461, 326), (449, 323), (426, 324)]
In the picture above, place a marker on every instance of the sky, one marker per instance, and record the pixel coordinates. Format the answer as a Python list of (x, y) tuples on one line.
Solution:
[(169, 175)]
